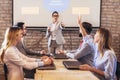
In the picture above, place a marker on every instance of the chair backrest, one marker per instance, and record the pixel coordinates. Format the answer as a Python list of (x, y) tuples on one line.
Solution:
[(29, 73), (5, 71), (118, 71)]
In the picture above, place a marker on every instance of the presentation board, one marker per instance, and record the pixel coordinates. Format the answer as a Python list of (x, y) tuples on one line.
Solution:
[(37, 13)]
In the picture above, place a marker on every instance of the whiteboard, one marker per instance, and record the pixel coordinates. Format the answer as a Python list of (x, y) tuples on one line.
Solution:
[(37, 13)]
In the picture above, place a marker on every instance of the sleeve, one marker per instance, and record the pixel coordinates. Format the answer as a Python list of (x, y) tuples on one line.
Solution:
[(85, 37), (61, 26), (48, 33), (31, 52), (26, 50), (73, 51), (71, 55), (88, 39), (110, 66), (15, 58), (83, 51), (28, 58)]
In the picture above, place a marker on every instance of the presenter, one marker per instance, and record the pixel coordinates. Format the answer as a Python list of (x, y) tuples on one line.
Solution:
[(54, 34)]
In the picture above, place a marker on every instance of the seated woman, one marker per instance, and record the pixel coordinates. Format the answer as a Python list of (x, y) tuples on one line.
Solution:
[(14, 59), (105, 59)]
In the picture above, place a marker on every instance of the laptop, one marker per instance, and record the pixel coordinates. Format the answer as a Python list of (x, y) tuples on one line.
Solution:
[(47, 54), (60, 56), (47, 67), (73, 65)]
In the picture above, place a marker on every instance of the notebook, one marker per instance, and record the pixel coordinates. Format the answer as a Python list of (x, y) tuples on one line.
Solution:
[(73, 65), (48, 67), (60, 56)]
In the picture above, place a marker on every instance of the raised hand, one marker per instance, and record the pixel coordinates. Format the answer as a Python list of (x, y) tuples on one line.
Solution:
[(79, 20), (62, 24)]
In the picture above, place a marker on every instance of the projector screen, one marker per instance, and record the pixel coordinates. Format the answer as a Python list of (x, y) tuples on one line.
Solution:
[(37, 13)]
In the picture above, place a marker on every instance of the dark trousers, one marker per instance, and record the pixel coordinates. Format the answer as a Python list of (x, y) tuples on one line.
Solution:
[(54, 47)]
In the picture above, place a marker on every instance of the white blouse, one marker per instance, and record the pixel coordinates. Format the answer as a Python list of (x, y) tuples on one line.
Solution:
[(15, 61), (107, 64)]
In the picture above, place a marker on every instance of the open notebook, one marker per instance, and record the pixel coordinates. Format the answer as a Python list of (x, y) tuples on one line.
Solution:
[(60, 56), (48, 67), (73, 65)]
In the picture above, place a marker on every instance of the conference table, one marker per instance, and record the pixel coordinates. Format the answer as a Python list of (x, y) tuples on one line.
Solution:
[(61, 73)]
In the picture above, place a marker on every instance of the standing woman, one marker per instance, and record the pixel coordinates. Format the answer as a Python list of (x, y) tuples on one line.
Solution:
[(14, 59), (54, 34), (105, 59)]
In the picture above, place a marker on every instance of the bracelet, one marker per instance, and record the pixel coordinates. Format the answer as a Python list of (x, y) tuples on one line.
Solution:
[(37, 60)]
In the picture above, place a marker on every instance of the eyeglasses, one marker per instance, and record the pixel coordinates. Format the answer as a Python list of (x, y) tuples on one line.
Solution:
[(24, 28), (55, 15)]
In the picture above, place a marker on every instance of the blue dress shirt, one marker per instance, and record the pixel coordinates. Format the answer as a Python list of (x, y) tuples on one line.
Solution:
[(85, 53)]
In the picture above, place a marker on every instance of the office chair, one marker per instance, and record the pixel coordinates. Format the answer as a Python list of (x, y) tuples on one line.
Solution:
[(5, 71), (29, 73), (118, 71)]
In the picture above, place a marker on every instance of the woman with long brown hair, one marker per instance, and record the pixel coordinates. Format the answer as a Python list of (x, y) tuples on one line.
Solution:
[(105, 59)]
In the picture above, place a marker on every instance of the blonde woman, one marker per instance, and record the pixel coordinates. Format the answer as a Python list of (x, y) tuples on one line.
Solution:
[(105, 59), (14, 59)]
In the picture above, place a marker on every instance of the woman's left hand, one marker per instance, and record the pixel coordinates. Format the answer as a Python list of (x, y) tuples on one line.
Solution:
[(85, 67)]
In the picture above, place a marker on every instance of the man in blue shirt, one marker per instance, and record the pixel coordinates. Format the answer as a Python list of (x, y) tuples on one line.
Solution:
[(85, 52)]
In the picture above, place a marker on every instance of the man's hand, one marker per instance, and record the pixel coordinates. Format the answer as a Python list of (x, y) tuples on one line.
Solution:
[(61, 52), (49, 29), (43, 52), (62, 24)]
